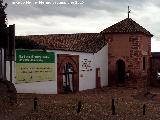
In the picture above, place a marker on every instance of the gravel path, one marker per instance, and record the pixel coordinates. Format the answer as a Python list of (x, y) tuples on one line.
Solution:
[(95, 105)]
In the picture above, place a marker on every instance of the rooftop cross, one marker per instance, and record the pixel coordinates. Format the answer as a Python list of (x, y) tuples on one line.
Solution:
[(129, 11)]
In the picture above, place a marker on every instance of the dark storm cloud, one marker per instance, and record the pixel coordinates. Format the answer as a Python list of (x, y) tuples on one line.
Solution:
[(110, 6)]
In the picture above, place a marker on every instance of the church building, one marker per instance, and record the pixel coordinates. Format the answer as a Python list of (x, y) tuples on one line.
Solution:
[(58, 63), (61, 63)]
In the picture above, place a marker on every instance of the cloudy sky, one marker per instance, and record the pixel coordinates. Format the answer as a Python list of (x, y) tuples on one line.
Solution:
[(81, 16)]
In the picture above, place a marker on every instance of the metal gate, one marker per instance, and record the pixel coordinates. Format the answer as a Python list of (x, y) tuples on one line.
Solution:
[(67, 78)]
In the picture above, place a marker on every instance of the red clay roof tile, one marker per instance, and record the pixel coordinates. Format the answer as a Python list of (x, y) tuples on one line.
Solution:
[(80, 42), (126, 26)]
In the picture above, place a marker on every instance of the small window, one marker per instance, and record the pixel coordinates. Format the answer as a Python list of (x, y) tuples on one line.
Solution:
[(144, 63)]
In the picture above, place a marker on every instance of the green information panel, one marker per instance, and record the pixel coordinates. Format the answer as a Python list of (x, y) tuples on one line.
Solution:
[(34, 66)]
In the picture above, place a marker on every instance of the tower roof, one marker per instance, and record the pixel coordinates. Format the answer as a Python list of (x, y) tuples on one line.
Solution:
[(127, 26)]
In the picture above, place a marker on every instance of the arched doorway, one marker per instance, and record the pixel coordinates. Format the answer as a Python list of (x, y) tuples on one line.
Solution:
[(67, 73), (120, 66)]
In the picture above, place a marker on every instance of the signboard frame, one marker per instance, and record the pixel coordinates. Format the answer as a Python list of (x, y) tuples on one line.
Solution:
[(34, 66)]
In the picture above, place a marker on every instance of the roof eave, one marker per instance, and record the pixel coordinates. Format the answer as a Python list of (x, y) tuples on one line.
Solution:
[(104, 32)]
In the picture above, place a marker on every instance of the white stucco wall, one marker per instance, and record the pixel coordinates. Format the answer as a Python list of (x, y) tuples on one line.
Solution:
[(101, 61), (8, 70), (48, 87), (87, 79)]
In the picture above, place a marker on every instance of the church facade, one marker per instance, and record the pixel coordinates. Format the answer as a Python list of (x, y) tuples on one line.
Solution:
[(57, 63), (60, 63)]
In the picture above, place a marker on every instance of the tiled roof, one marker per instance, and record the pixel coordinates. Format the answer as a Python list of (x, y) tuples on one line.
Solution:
[(126, 26), (80, 42)]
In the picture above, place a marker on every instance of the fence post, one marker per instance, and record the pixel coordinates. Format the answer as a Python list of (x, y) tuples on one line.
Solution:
[(79, 107), (113, 107), (144, 109), (35, 103)]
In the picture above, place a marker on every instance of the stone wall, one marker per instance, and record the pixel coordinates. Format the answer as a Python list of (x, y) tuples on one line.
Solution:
[(131, 48)]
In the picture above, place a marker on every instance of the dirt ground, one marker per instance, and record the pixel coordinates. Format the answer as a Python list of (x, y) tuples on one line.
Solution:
[(96, 105)]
